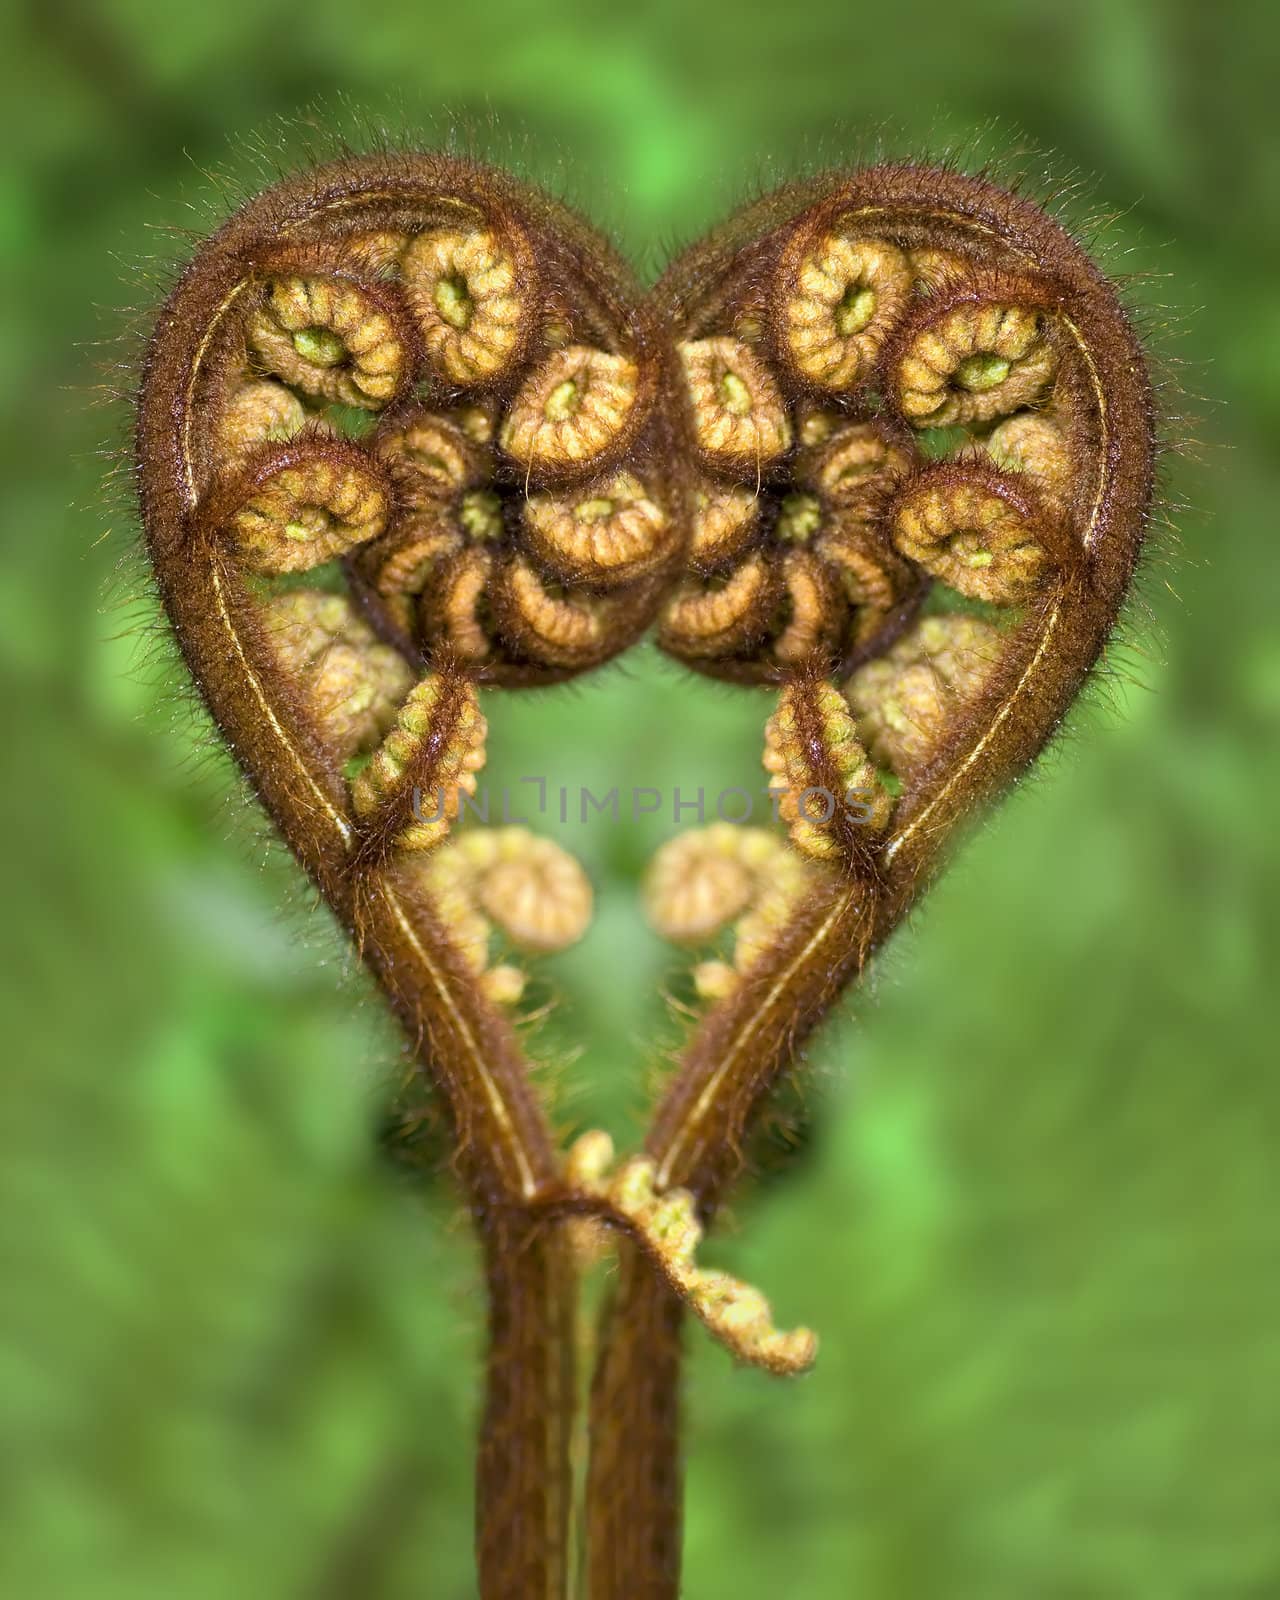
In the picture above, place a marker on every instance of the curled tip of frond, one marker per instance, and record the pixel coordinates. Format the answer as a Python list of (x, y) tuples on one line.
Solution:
[(296, 505), (708, 879), (411, 789), (529, 888), (827, 787), (354, 684), (903, 701)]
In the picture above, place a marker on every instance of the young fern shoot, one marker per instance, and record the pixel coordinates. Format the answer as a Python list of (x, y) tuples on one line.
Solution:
[(503, 516), (919, 458), (407, 429)]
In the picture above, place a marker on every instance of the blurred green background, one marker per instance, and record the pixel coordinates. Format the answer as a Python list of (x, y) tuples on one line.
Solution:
[(1038, 1225)]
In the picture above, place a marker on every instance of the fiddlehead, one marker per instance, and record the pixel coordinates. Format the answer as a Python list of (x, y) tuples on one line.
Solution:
[(528, 888), (507, 520), (707, 880), (882, 446), (921, 436)]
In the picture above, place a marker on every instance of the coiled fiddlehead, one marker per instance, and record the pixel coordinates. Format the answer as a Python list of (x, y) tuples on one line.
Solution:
[(507, 520), (920, 446), (881, 446)]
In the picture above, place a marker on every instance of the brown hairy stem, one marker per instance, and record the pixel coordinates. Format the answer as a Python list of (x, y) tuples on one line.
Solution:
[(524, 1468)]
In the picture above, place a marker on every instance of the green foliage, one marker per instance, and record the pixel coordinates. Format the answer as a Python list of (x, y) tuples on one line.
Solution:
[(1038, 1220)]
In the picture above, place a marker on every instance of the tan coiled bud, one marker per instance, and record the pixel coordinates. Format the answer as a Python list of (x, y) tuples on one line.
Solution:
[(430, 455), (530, 888), (874, 578), (604, 535), (534, 890), (574, 408), (971, 362), (826, 786), (451, 609), (437, 471), (377, 253), (353, 683), (855, 459), (456, 753), (817, 612), (722, 616), (708, 879), (1037, 444), (934, 269), (977, 530), (472, 295), (725, 518), (844, 483), (703, 879), (330, 338), (816, 423), (548, 627), (840, 298), (259, 412), (401, 564), (740, 421), (300, 505), (906, 700)]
